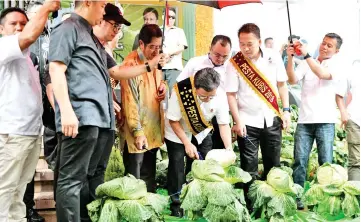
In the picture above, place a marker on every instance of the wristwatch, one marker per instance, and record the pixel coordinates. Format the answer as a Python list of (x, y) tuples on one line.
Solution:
[(148, 67), (286, 109), (307, 56)]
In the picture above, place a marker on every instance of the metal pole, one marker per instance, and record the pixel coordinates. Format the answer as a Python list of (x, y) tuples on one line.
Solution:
[(289, 21)]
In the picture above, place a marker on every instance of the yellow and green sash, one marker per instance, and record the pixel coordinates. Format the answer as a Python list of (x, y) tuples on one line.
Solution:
[(191, 111), (256, 80)]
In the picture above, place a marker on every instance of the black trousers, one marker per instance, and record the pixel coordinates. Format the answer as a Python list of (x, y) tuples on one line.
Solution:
[(50, 142), (269, 139), (176, 173), (142, 166), (82, 163), (216, 136)]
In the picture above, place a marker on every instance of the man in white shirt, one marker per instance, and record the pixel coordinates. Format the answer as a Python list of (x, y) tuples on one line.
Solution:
[(219, 52), (20, 107), (318, 112), (253, 99), (150, 16), (175, 42), (351, 117), (200, 102)]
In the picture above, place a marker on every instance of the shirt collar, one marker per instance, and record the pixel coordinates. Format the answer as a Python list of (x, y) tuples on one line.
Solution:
[(82, 21), (141, 55)]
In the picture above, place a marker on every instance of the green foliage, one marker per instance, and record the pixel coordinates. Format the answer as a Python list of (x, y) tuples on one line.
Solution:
[(211, 194), (115, 167), (331, 196), (126, 199), (275, 198)]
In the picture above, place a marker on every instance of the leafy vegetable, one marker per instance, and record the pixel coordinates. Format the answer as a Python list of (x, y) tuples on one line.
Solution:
[(192, 196), (211, 194), (260, 192), (350, 205), (236, 175), (332, 196), (283, 204), (133, 211), (109, 212), (224, 157), (275, 198), (208, 170), (125, 188), (280, 180), (115, 167), (331, 174), (161, 173), (314, 195), (126, 199), (93, 210), (213, 189)]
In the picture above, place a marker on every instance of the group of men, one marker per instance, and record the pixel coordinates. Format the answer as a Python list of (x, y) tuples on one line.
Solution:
[(196, 121)]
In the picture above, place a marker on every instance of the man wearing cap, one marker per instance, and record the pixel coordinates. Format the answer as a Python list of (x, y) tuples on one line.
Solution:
[(106, 31), (79, 70)]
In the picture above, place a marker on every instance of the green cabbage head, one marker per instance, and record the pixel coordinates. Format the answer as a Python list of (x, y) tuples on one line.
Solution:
[(280, 180)]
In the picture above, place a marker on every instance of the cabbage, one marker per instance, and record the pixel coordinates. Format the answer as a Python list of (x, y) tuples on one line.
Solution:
[(213, 212), (208, 170), (236, 212), (280, 180), (314, 195), (133, 211), (219, 193), (192, 196), (329, 206), (351, 188), (125, 188), (350, 205), (109, 212), (157, 202), (331, 174), (298, 190), (283, 204), (115, 167), (236, 175), (93, 210), (224, 157), (260, 193)]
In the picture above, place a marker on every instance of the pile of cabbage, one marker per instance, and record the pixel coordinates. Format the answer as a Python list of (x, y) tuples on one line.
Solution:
[(126, 199), (331, 195), (211, 194), (275, 198)]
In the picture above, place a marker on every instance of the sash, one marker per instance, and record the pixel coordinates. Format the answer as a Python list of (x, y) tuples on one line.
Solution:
[(191, 111), (256, 80)]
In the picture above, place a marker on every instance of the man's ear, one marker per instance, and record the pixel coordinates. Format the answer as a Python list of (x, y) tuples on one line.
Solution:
[(1, 29)]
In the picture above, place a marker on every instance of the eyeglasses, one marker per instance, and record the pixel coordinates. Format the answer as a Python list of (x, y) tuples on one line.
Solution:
[(116, 27), (205, 97), (219, 56), (155, 47)]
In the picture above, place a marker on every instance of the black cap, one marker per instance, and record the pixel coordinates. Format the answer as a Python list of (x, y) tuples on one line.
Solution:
[(293, 37), (112, 12)]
